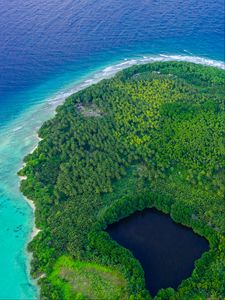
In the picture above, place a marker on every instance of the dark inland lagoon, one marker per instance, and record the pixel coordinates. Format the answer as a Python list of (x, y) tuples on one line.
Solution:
[(166, 250)]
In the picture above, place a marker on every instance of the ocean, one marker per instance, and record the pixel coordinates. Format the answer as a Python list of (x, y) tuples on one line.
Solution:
[(49, 49)]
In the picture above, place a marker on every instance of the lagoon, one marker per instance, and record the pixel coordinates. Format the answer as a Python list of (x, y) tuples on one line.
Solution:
[(166, 250)]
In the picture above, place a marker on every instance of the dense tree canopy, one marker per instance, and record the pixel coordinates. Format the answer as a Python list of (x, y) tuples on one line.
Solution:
[(152, 136)]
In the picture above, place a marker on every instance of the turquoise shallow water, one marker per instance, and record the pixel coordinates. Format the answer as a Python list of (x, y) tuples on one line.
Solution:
[(18, 138)]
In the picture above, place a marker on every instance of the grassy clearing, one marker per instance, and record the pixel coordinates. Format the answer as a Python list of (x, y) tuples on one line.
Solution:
[(81, 280), (89, 110)]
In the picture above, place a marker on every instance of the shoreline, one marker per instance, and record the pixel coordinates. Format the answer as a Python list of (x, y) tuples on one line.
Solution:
[(106, 72), (35, 229)]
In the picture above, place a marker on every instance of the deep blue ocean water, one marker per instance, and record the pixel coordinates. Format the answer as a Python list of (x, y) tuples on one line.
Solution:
[(49, 49)]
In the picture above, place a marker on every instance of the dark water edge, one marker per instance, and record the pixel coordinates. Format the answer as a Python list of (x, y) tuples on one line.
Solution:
[(166, 250)]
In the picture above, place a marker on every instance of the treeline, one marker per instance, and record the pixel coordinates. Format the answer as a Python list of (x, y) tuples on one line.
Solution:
[(165, 122)]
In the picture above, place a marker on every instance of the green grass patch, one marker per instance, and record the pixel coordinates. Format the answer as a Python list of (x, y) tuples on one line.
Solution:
[(82, 280)]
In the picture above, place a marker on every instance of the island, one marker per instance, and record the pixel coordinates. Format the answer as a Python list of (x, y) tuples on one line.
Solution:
[(151, 137)]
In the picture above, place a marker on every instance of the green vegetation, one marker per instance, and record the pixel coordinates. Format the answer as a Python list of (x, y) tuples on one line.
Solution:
[(152, 136), (81, 280)]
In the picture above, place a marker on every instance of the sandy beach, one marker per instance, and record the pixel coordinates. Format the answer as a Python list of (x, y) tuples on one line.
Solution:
[(35, 230)]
